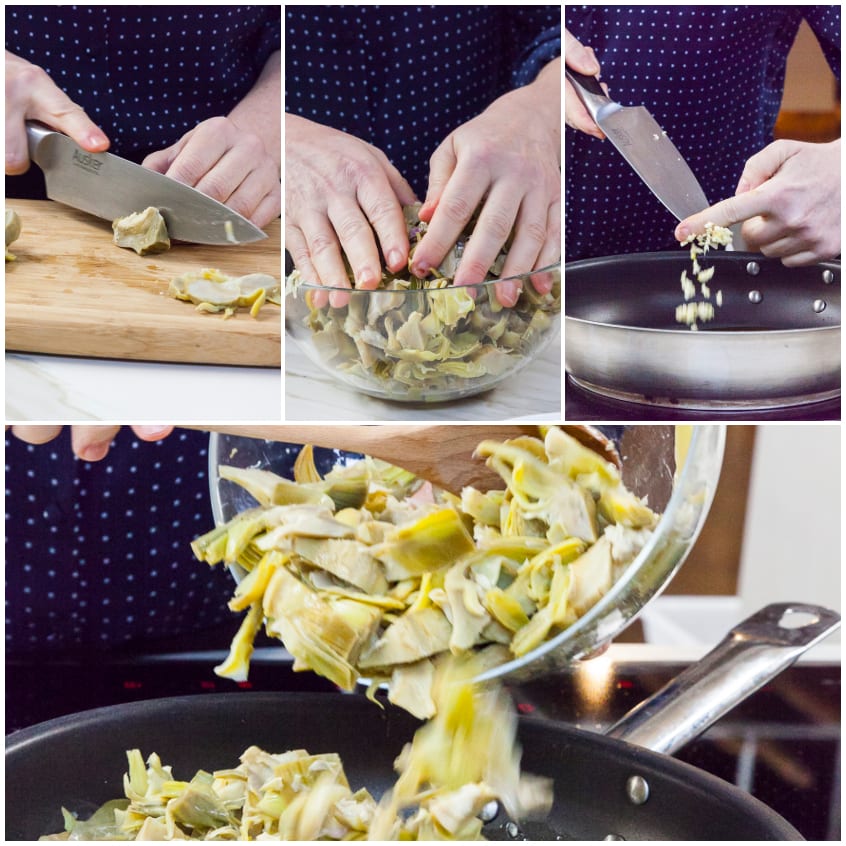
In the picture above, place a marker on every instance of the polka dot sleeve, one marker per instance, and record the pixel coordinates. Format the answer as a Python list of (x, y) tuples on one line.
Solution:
[(147, 74), (539, 51), (98, 554), (403, 77)]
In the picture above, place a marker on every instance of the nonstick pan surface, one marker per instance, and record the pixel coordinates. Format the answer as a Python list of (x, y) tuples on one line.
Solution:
[(775, 341), (78, 762)]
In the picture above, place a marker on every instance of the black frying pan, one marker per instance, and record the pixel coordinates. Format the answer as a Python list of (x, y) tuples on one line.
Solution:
[(78, 761), (775, 341)]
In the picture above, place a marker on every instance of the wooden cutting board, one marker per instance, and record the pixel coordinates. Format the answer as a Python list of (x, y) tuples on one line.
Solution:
[(73, 292)]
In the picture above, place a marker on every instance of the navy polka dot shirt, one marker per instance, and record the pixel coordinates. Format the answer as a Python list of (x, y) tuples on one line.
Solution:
[(403, 77), (147, 74), (711, 76), (98, 553)]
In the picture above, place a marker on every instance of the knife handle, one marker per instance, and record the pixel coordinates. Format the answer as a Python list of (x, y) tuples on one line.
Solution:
[(35, 134), (588, 90)]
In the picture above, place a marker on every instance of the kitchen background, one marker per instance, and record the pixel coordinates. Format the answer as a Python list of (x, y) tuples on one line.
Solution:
[(809, 111), (773, 535)]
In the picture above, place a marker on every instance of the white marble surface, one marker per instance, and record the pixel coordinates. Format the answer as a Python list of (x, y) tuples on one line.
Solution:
[(59, 389), (532, 394)]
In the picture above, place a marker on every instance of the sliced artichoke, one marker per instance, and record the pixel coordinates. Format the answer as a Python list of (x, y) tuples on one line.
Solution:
[(358, 576), (213, 291), (145, 232), (13, 231)]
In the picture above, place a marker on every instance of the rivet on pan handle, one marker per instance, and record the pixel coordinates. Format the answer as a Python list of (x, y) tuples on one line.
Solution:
[(753, 652)]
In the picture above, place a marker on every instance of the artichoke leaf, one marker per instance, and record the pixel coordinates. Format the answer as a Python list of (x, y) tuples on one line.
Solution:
[(251, 588), (199, 808), (13, 231), (591, 578), (349, 560), (467, 613), (417, 634), (410, 688), (434, 541), (326, 635), (270, 489), (237, 663)]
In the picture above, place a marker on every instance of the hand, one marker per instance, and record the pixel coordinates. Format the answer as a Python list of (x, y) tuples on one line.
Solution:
[(229, 164), (32, 95), (339, 191), (788, 199), (508, 160), (583, 60), (90, 443)]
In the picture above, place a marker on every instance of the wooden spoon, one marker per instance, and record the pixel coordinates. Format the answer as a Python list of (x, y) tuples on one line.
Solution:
[(441, 454)]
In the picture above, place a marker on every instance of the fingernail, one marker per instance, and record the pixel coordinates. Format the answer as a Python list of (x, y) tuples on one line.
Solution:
[(742, 186), (94, 452), (421, 269), (394, 259), (509, 293), (152, 431), (542, 282), (681, 233), (367, 279), (338, 299)]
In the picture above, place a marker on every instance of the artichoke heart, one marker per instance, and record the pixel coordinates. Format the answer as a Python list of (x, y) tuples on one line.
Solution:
[(268, 488), (432, 542), (346, 559), (327, 635), (363, 572), (145, 232), (13, 231), (418, 634)]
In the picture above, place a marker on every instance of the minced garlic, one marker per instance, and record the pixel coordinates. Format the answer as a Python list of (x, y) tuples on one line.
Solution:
[(692, 310)]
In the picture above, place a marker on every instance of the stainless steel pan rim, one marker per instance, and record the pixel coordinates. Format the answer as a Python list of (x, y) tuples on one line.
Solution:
[(778, 348), (716, 405), (707, 333)]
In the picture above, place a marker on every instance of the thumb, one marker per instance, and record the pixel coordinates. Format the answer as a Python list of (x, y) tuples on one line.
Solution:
[(578, 57), (764, 164)]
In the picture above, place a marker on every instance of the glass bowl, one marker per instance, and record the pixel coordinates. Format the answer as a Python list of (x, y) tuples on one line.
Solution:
[(423, 344), (675, 467)]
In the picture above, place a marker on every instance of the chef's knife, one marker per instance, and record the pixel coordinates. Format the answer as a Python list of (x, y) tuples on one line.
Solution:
[(644, 145), (110, 187)]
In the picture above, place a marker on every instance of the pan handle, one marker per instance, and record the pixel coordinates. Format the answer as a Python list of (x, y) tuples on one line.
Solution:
[(752, 653)]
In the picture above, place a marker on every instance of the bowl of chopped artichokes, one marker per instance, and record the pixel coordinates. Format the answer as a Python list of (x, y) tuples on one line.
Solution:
[(424, 339), (366, 574)]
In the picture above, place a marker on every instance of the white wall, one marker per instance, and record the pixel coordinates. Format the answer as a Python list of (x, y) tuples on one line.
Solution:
[(792, 537)]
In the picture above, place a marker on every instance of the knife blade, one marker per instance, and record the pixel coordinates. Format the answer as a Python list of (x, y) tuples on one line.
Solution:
[(109, 187), (644, 145)]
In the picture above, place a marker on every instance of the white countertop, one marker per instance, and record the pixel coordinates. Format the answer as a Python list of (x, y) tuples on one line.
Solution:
[(61, 389), (532, 394)]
